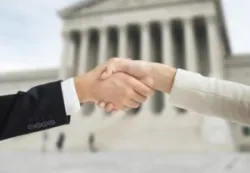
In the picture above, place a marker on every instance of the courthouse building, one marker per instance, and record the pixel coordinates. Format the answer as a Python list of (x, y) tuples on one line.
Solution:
[(188, 34)]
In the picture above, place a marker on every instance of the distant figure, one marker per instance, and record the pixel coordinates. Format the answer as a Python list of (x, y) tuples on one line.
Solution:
[(91, 142), (60, 142), (45, 138)]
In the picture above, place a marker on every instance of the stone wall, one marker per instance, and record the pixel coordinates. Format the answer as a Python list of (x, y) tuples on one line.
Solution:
[(237, 69)]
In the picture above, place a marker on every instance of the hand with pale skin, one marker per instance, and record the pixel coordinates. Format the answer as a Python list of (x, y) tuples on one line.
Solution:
[(155, 75), (123, 90)]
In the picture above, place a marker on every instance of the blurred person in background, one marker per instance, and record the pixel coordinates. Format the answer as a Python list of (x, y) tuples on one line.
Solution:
[(60, 141), (91, 143)]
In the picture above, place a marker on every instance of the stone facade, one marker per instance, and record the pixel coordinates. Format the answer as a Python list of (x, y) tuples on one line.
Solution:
[(185, 34)]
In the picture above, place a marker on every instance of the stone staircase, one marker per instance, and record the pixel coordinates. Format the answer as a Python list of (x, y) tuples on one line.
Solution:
[(145, 131)]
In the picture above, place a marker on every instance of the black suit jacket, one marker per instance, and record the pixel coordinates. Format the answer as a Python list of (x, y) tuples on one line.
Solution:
[(40, 108)]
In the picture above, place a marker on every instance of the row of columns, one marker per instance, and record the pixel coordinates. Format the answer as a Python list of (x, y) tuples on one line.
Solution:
[(191, 58)]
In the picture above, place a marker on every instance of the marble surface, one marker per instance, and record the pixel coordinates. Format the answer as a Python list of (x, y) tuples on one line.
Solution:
[(124, 162)]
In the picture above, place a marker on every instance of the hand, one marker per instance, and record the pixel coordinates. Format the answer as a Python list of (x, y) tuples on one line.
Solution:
[(141, 70), (155, 75), (123, 90)]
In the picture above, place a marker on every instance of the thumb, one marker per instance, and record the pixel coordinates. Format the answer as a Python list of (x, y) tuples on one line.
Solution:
[(107, 72), (116, 65)]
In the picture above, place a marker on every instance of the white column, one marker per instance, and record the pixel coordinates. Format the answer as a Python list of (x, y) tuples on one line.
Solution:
[(215, 48), (83, 55), (190, 46), (123, 41), (67, 56), (146, 56), (167, 50), (145, 42), (167, 43), (103, 46), (63, 65), (71, 57)]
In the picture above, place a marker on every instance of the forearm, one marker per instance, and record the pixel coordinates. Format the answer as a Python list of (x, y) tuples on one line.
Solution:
[(163, 77), (83, 86), (40, 108), (211, 96)]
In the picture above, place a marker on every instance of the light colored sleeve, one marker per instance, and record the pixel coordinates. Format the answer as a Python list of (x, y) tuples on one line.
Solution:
[(210, 96), (70, 98)]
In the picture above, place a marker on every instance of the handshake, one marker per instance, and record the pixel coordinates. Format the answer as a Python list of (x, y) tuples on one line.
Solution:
[(121, 84)]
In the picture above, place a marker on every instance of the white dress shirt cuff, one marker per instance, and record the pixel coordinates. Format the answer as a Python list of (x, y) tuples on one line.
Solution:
[(70, 98), (186, 89)]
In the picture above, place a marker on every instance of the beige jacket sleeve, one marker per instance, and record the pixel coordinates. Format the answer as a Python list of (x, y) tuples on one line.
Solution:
[(211, 96)]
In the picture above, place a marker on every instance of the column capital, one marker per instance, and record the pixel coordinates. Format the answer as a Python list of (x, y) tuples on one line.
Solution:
[(122, 27), (188, 20), (84, 32), (103, 28), (144, 26), (166, 22)]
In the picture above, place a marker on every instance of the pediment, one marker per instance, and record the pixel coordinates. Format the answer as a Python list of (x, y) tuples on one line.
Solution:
[(92, 6)]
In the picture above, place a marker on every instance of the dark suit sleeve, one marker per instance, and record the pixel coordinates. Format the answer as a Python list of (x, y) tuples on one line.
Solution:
[(40, 108)]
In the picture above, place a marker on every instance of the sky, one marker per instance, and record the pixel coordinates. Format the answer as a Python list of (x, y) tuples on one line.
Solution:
[(30, 31)]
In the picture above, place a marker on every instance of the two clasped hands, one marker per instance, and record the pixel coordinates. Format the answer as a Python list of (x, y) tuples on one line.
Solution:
[(120, 83)]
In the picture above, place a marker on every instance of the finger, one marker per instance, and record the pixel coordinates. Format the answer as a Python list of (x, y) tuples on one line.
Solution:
[(140, 88), (125, 108), (114, 110), (101, 104), (139, 98), (148, 81), (109, 107), (131, 103), (115, 65), (108, 71)]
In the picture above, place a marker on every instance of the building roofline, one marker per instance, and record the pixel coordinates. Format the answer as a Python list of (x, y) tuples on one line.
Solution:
[(222, 26), (72, 9), (64, 12)]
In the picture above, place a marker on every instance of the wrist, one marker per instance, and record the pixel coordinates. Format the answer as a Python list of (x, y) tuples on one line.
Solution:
[(82, 86), (163, 76)]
